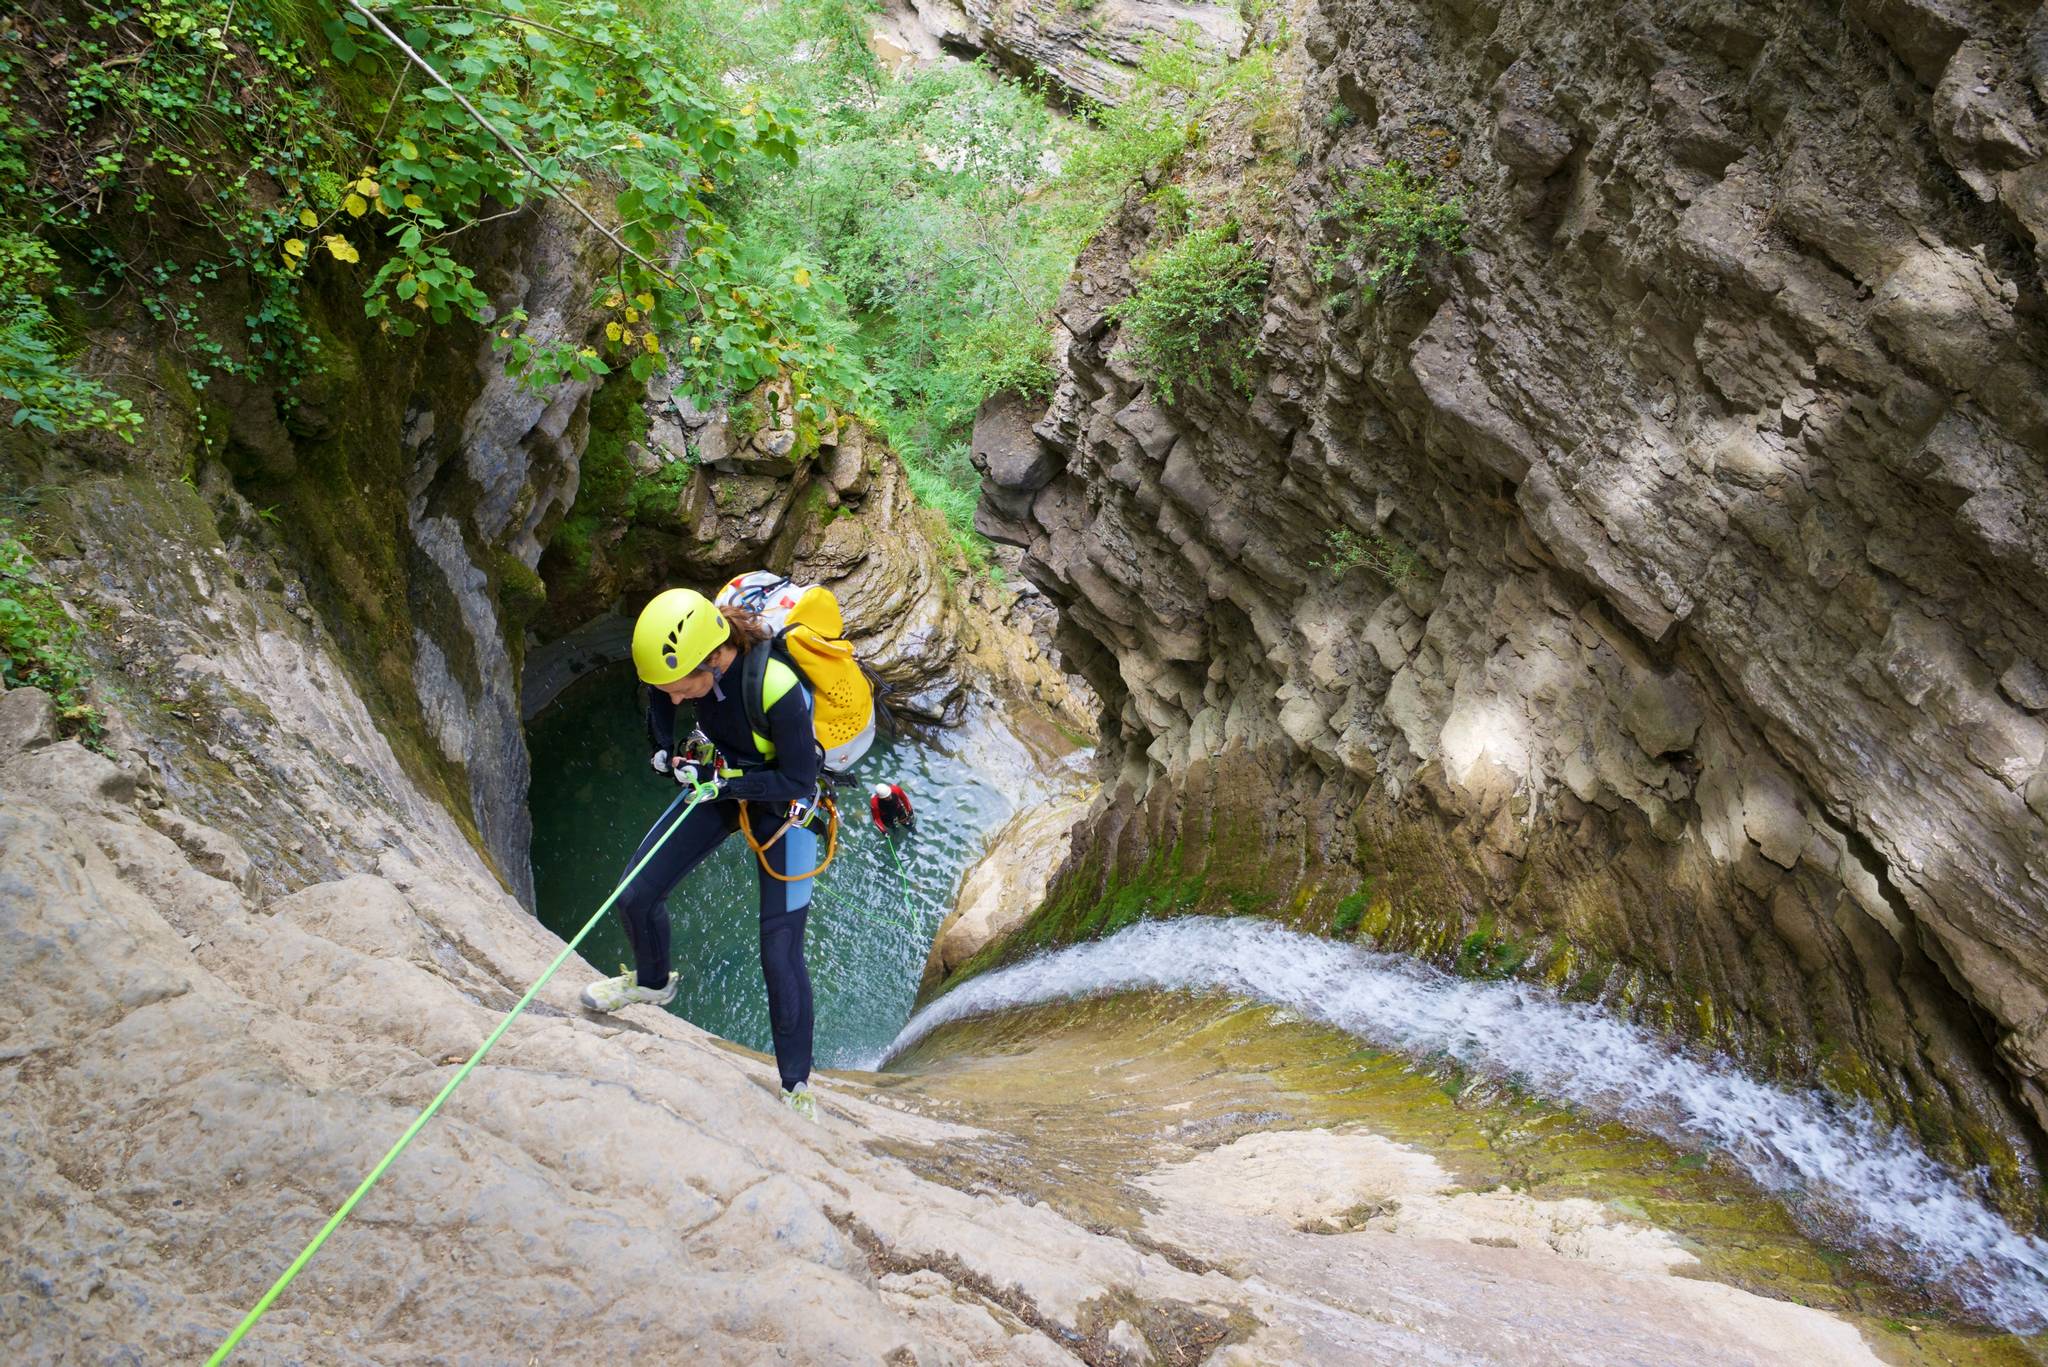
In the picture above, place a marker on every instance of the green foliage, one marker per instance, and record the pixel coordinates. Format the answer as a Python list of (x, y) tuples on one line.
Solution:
[(219, 157), (39, 643), (1385, 219), (654, 497), (592, 104), (1188, 321), (926, 201), (1351, 911), (1379, 557), (743, 421), (1159, 118), (140, 131), (1181, 87), (36, 381), (949, 485), (1174, 209)]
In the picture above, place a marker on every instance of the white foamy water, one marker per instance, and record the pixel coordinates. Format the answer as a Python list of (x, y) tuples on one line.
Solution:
[(1857, 1180)]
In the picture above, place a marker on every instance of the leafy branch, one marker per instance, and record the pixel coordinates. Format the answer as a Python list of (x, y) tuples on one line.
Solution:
[(1386, 218), (1189, 320), (539, 177), (168, 145), (1346, 550)]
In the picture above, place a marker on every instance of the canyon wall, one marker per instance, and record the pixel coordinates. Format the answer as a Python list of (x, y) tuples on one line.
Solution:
[(402, 495), (1711, 486)]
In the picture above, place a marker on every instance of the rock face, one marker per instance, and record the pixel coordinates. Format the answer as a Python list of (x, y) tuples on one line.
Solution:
[(1088, 49), (1721, 458), (476, 500), (747, 488), (201, 1064), (395, 495), (406, 509), (1005, 884)]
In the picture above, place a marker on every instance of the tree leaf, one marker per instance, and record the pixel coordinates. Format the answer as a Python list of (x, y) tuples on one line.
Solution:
[(356, 205), (340, 248)]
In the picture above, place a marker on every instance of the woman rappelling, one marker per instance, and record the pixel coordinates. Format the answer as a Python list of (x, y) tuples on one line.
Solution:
[(685, 649)]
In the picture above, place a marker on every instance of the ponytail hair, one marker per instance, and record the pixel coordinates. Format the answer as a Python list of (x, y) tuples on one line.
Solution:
[(748, 630)]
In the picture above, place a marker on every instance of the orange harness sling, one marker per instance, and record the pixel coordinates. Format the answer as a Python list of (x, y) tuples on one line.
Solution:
[(761, 847)]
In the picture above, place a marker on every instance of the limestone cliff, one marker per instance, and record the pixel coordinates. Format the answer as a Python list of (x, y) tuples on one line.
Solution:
[(672, 494), (1715, 688), (212, 1025), (402, 496)]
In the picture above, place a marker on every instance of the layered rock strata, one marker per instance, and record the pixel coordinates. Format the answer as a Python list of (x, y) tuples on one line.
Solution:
[(1088, 50), (747, 486), (1708, 678)]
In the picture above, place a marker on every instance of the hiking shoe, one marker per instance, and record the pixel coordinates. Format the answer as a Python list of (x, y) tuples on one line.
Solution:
[(610, 994), (803, 1101)]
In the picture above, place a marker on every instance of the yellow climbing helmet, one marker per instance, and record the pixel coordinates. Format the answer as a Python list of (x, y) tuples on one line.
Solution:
[(675, 634)]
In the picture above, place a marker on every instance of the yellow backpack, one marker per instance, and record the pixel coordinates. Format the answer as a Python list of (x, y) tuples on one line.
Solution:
[(810, 640)]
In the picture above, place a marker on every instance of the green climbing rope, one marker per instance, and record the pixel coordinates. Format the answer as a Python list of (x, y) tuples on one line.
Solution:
[(221, 1354), (902, 878), (907, 922)]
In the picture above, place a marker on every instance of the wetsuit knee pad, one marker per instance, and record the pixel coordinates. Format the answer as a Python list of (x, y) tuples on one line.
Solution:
[(796, 852)]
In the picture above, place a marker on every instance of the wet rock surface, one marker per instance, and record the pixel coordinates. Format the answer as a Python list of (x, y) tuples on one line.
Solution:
[(1000, 891), (1241, 1139), (1710, 691)]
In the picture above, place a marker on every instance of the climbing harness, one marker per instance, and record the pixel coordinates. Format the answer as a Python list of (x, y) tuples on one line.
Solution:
[(800, 814), (694, 797)]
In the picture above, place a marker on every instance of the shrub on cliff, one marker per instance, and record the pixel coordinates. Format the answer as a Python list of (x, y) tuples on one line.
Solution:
[(38, 642), (1345, 551), (37, 380), (1188, 323), (1386, 219)]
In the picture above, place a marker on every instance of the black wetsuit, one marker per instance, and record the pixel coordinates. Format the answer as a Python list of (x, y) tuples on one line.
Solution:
[(768, 786)]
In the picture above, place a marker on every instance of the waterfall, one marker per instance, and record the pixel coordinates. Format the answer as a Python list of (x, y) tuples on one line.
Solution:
[(1859, 1182)]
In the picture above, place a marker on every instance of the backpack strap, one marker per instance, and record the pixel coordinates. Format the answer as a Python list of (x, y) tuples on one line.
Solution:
[(753, 683), (766, 676)]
